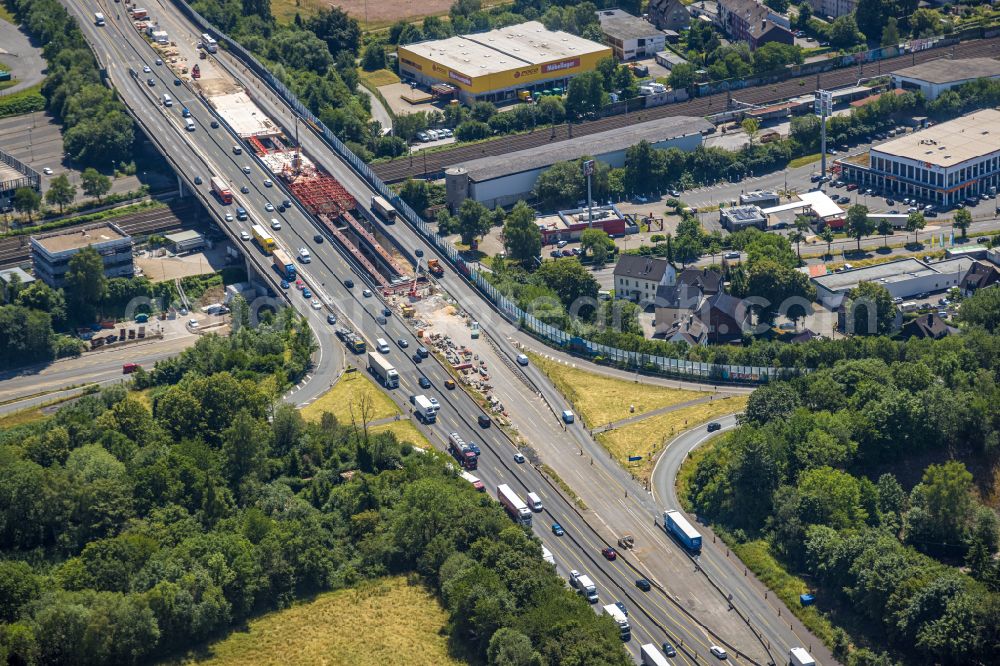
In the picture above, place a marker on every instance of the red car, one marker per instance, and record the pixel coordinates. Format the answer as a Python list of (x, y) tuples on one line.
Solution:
[(609, 553)]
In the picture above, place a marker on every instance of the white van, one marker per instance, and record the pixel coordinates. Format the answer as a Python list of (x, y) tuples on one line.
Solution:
[(535, 502), (382, 346), (167, 101), (189, 125)]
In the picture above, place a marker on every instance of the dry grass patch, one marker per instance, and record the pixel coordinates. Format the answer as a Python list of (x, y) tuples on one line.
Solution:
[(600, 400), (647, 437), (405, 431), (22, 417), (391, 622), (379, 78), (353, 393)]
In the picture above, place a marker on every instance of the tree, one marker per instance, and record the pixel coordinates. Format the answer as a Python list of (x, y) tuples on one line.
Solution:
[(872, 14), (780, 6), (844, 32), (943, 506), (770, 402), (859, 224), (682, 75), (598, 244), (884, 229), (472, 130), (95, 183), (337, 29), (521, 236), (866, 297), (86, 285), (752, 127), (509, 647), (962, 220), (374, 57), (802, 18), (776, 284), (828, 236), (416, 193), (244, 448), (40, 296), (61, 192), (982, 309), (472, 221), (27, 201), (890, 33), (586, 94), (914, 223), (569, 279)]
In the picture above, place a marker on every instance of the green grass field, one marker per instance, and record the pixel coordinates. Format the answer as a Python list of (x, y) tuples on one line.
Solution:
[(380, 622), (350, 394)]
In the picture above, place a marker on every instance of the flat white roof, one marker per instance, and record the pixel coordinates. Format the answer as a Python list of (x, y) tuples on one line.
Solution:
[(243, 115), (503, 49), (820, 204), (949, 143)]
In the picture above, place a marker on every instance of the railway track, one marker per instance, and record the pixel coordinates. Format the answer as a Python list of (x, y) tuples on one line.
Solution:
[(16, 251), (435, 163)]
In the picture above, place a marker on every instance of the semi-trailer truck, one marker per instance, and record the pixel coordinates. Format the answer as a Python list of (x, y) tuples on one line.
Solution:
[(799, 657), (462, 452), (383, 209), (283, 264), (651, 656), (426, 410), (676, 524), (476, 483), (222, 190), (515, 506), (382, 369), (619, 618)]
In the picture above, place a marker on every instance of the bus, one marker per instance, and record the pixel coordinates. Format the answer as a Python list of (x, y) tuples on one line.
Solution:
[(98, 18), (210, 44), (263, 238), (383, 209)]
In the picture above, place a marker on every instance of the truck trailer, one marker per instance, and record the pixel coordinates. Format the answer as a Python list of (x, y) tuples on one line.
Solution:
[(383, 209), (283, 264), (619, 618), (462, 452), (476, 483), (586, 587), (382, 369), (426, 410), (676, 524), (221, 189), (515, 506), (799, 657), (651, 656)]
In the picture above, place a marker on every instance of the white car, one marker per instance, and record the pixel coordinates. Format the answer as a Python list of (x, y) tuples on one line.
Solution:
[(267, 182), (367, 293), (244, 234), (47, 171), (246, 169), (229, 217), (718, 652), (268, 207), (146, 69), (304, 256), (193, 323), (316, 304)]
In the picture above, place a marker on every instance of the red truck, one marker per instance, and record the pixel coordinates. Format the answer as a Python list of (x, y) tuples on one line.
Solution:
[(129, 368), (462, 452), (222, 190)]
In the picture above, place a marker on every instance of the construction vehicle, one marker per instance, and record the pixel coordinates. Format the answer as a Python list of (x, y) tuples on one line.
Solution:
[(434, 268), (407, 310), (626, 541), (196, 71)]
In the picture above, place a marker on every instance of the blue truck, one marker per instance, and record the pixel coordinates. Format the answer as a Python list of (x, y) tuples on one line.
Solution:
[(676, 524)]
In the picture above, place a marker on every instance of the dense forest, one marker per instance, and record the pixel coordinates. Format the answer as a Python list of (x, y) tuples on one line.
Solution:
[(859, 477), (136, 525)]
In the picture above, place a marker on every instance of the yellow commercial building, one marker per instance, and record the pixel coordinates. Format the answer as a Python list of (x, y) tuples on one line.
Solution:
[(494, 66)]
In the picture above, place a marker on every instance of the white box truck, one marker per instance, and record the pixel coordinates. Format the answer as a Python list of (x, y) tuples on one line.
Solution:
[(382, 369), (515, 506), (799, 657), (619, 618), (586, 587), (651, 656), (426, 410)]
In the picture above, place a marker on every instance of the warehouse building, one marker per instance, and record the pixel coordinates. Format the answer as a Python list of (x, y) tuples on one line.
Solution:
[(51, 253), (943, 164), (569, 225), (903, 278), (501, 182), (935, 76), (630, 37), (186, 241), (495, 66)]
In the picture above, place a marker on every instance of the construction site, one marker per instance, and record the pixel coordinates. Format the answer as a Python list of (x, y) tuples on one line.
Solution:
[(319, 193)]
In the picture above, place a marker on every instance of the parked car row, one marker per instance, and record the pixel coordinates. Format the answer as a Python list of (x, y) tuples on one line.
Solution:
[(425, 136)]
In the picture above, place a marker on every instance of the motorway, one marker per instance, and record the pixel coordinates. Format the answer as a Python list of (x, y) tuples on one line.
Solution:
[(436, 162), (657, 616)]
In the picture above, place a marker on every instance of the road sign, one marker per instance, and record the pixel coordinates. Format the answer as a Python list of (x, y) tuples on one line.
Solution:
[(634, 458), (588, 168), (823, 104)]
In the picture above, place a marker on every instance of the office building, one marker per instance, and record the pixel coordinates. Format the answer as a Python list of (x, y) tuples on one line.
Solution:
[(51, 253), (738, 218), (630, 37), (943, 164)]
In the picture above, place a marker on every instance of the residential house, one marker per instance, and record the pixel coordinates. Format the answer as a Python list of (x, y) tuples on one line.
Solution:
[(668, 14), (926, 327), (690, 330), (754, 23), (637, 278), (980, 275), (676, 302), (726, 318), (833, 8)]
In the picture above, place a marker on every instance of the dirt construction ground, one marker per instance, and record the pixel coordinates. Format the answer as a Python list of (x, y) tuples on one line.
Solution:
[(386, 12)]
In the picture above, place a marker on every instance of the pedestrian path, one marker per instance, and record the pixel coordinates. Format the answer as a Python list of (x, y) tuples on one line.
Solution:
[(655, 412)]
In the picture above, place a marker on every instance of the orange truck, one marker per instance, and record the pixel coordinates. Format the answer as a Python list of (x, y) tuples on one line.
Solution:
[(434, 267)]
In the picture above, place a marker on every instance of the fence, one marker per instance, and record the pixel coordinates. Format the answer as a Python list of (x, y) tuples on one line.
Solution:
[(507, 308), (30, 179)]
